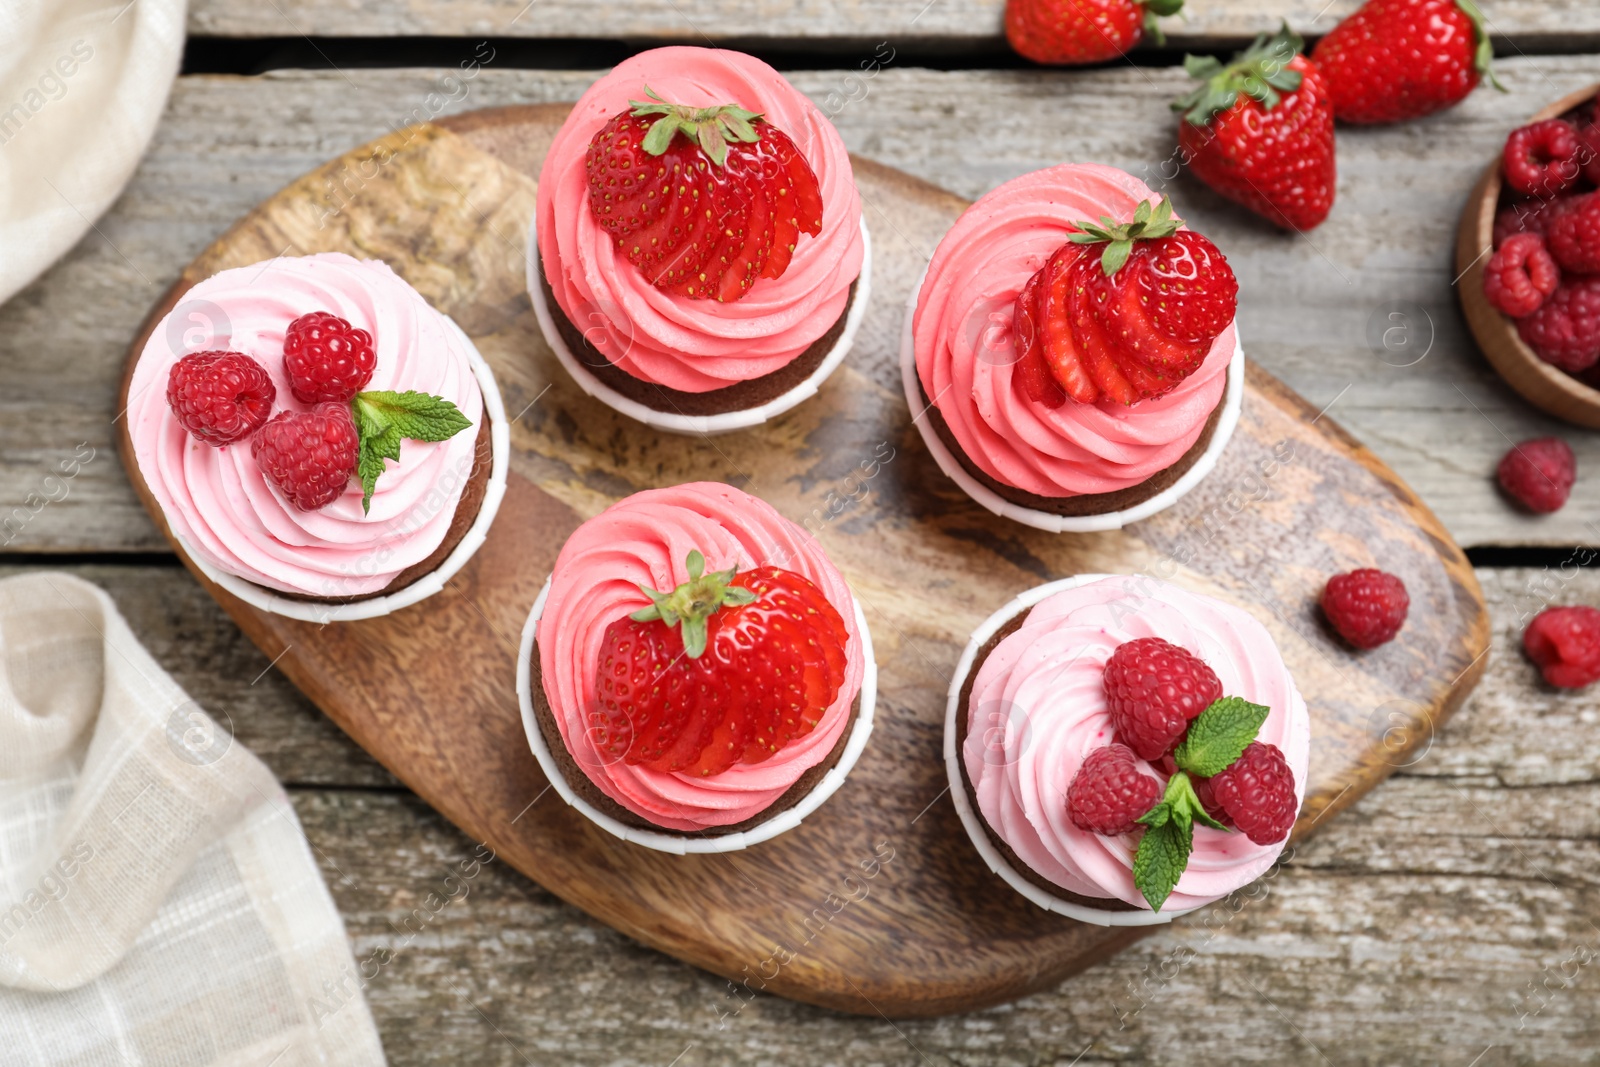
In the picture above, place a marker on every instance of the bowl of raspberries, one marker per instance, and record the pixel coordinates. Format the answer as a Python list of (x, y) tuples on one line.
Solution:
[(1528, 253)]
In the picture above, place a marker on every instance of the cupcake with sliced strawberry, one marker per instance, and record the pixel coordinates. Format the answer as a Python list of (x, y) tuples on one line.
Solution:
[(1073, 350), (696, 675), (699, 260), (1123, 751), (332, 448)]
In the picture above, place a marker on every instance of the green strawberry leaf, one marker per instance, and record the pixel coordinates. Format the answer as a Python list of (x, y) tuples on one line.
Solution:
[(1218, 735), (384, 418)]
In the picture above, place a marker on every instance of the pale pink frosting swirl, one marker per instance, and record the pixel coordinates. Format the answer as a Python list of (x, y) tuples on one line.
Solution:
[(645, 539), (965, 356), (1038, 709), (217, 500), (697, 345)]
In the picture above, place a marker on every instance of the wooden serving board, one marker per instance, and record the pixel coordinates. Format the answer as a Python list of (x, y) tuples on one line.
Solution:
[(878, 903)]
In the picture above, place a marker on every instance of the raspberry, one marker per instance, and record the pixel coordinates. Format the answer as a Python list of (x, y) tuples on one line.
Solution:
[(1207, 796), (1589, 150), (220, 397), (1574, 238), (1539, 474), (1565, 331), (309, 456), (1565, 645), (1542, 159), (1153, 689), (1366, 606), (1257, 792), (326, 358), (1520, 275), (1533, 215), (1110, 792)]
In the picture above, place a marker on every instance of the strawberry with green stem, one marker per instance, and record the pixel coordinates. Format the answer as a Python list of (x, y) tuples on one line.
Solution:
[(1083, 31)]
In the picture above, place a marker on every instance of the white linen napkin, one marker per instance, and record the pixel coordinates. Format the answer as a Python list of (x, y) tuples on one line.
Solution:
[(159, 904), (82, 83)]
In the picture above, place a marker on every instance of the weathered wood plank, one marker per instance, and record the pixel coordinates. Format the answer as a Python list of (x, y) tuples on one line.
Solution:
[(1306, 306), (953, 24)]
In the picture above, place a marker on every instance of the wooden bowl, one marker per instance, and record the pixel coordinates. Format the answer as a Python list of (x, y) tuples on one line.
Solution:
[(1544, 386)]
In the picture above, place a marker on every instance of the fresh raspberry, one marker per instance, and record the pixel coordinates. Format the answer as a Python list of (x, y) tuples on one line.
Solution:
[(1589, 149), (1565, 645), (1110, 792), (1533, 215), (1565, 331), (220, 397), (1207, 796), (1542, 159), (309, 456), (1153, 689), (1521, 275), (1257, 792), (327, 358), (1366, 606), (1574, 238), (1539, 474)]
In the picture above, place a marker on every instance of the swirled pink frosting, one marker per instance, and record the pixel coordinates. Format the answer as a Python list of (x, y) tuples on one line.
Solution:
[(1038, 709), (645, 539), (697, 345), (965, 355), (217, 500)]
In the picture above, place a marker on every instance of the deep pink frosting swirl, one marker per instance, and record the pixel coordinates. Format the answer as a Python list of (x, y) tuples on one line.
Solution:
[(965, 356), (697, 345), (645, 539), (1038, 709), (217, 500)]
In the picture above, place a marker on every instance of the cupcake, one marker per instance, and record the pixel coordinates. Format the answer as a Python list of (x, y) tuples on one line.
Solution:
[(711, 304), (334, 449), (695, 675), (1122, 751), (1073, 350)]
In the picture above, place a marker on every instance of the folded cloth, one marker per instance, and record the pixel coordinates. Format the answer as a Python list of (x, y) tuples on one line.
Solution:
[(82, 83), (159, 903)]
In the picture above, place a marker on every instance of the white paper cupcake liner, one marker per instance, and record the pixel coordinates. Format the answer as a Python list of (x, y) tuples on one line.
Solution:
[(1232, 404), (323, 611), (674, 422), (972, 820), (686, 843)]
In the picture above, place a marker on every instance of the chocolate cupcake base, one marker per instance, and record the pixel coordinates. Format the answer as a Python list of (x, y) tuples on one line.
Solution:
[(469, 528), (733, 407), (797, 802), (1081, 513), (997, 855)]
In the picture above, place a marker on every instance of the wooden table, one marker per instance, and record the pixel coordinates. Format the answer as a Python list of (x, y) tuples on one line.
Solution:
[(1450, 918)]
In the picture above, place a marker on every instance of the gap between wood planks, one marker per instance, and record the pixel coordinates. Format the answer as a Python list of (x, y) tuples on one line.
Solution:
[(257, 55)]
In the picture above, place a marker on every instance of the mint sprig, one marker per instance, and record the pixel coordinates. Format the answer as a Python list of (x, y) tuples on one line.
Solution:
[(384, 418), (1215, 739)]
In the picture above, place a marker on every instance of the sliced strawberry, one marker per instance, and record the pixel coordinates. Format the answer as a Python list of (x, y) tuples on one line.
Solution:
[(1061, 351), (1032, 370), (748, 261)]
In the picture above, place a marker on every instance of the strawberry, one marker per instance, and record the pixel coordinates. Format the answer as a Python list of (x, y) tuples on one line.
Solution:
[(705, 214), (1082, 31), (1128, 323), (727, 668), (1401, 59), (1260, 131)]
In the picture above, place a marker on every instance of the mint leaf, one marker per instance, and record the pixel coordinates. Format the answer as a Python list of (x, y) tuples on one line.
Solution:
[(1162, 856), (1218, 735), (383, 418), (1185, 803)]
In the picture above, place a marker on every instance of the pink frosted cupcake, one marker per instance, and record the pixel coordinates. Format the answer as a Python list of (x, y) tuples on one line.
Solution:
[(701, 261), (1074, 349), (695, 676), (274, 447), (1123, 751)]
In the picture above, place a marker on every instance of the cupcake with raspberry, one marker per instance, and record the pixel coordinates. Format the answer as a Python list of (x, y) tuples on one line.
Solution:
[(699, 260), (1122, 751), (1072, 347), (696, 675), (335, 450)]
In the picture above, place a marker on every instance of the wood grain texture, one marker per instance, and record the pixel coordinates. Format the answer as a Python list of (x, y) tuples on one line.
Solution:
[(1410, 930), (1545, 386), (1307, 305), (954, 25), (429, 691)]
